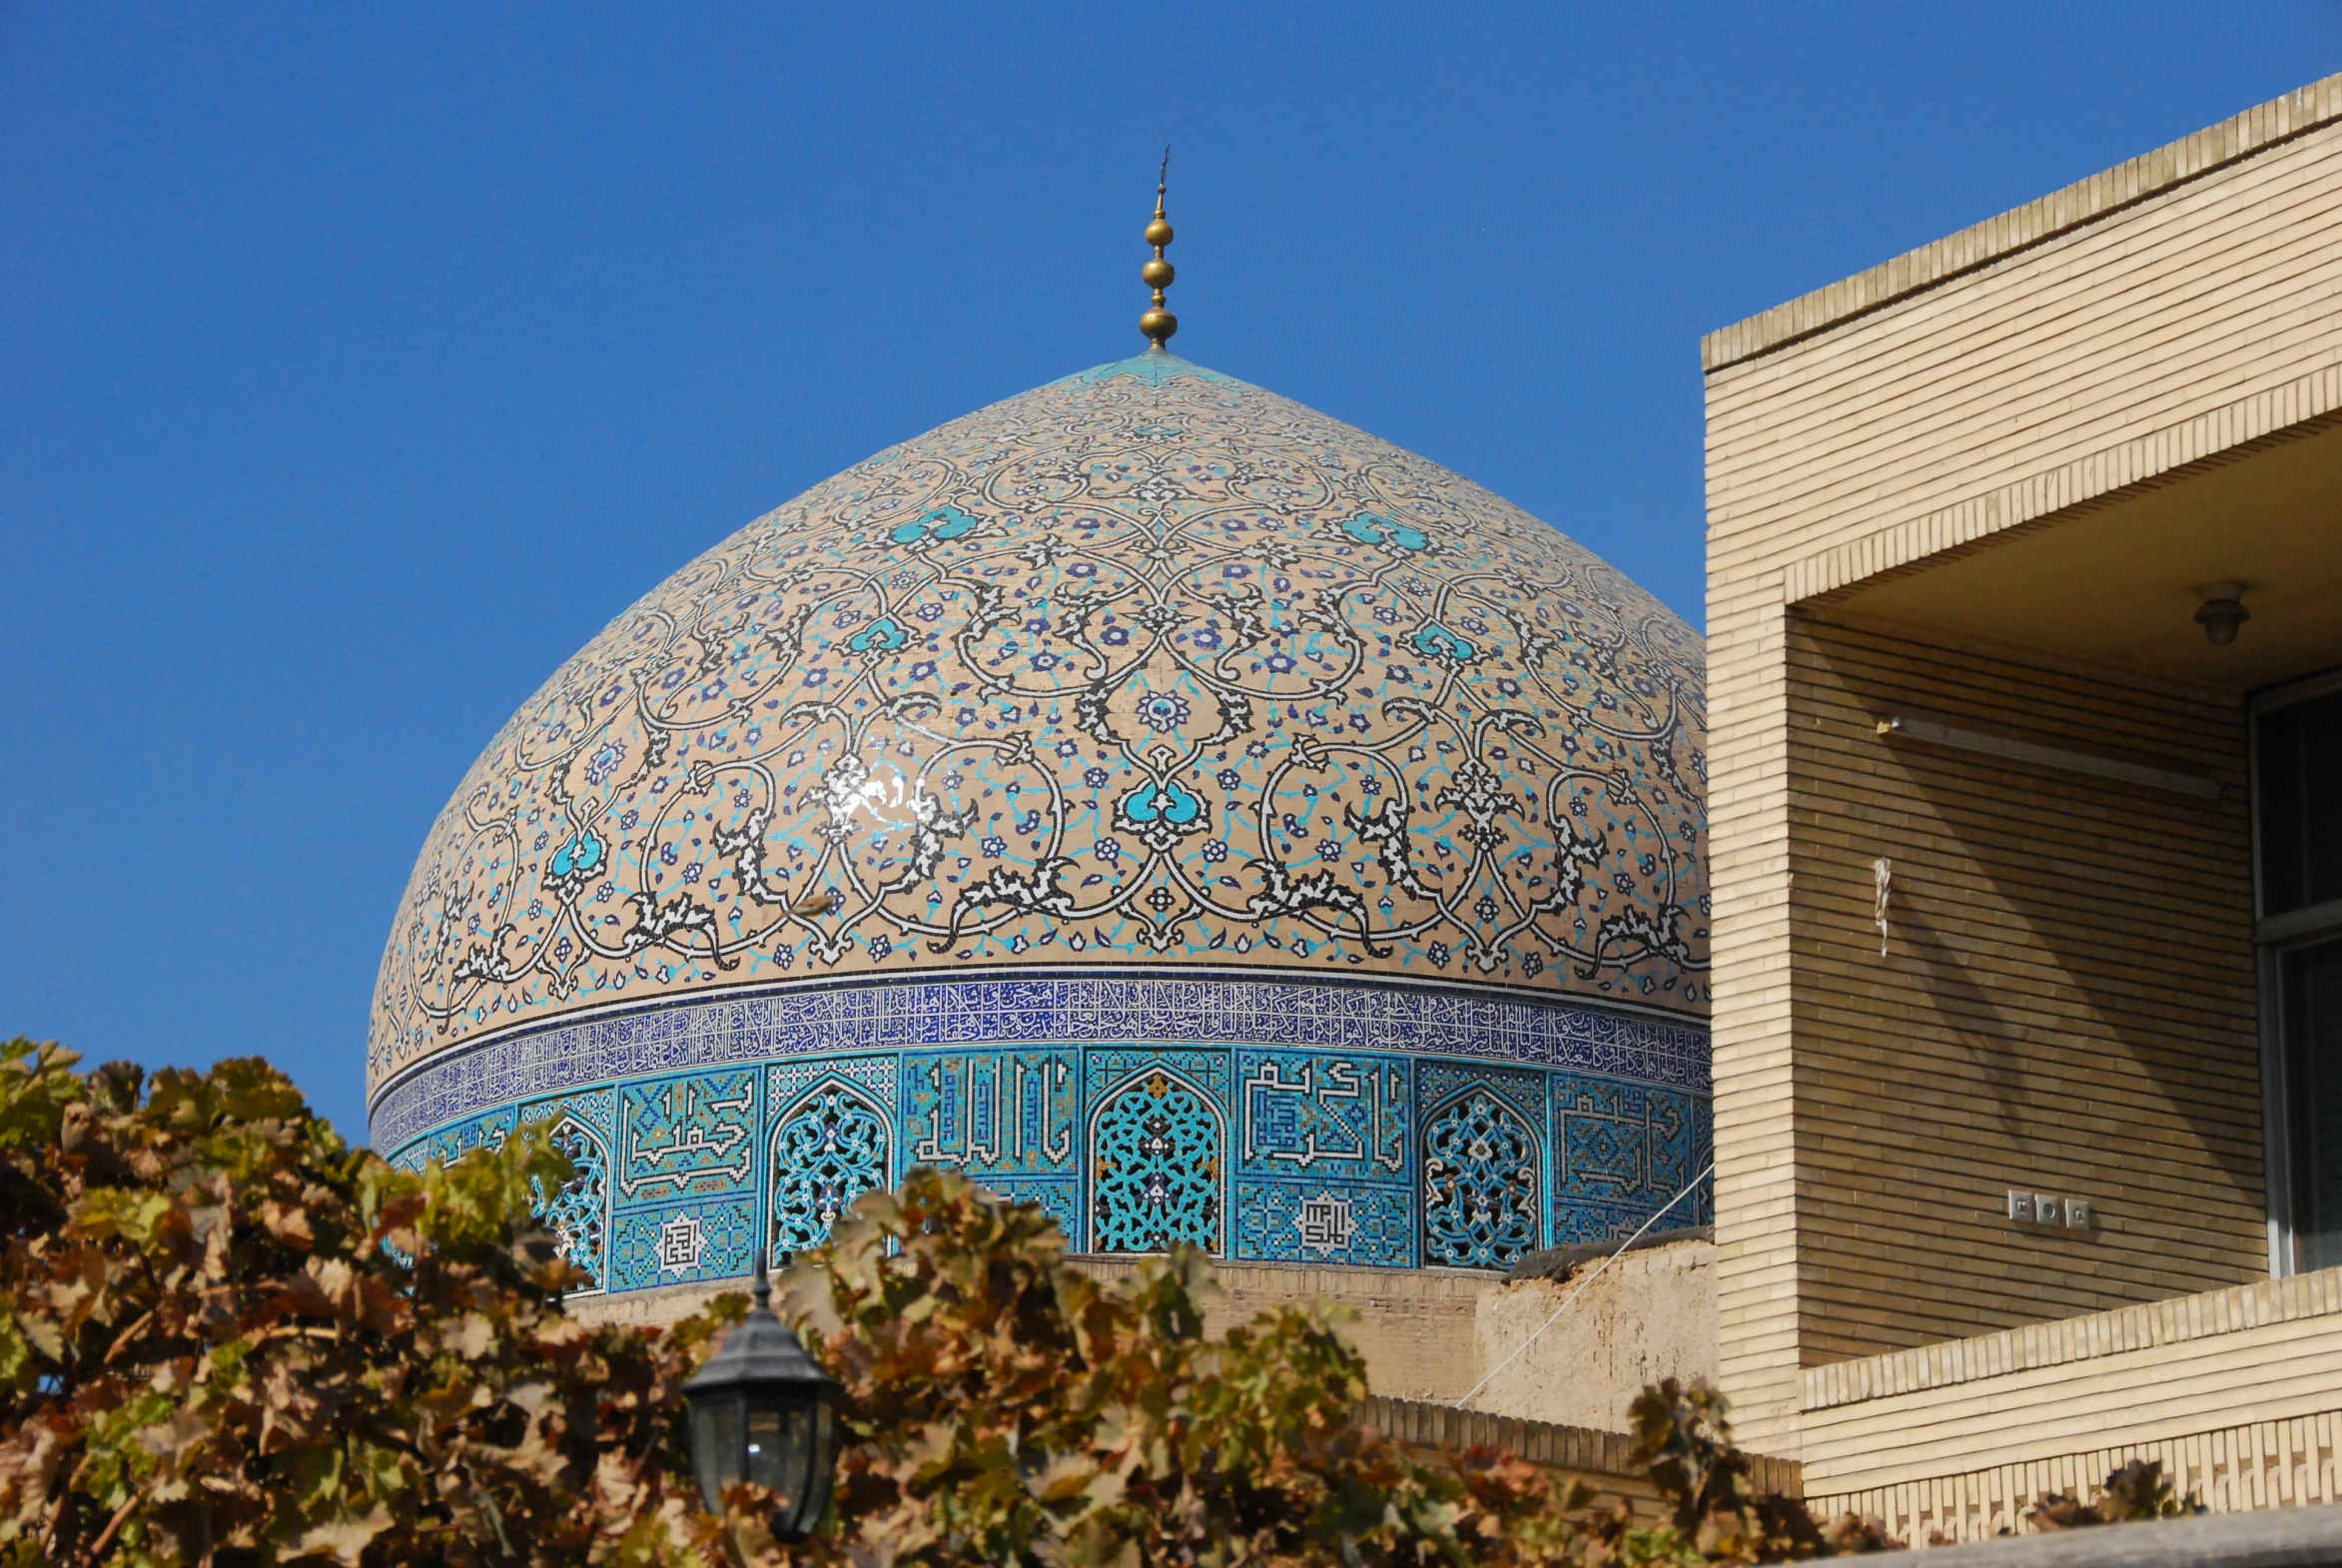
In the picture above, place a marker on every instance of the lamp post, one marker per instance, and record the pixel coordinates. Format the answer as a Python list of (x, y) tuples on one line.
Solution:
[(763, 1410)]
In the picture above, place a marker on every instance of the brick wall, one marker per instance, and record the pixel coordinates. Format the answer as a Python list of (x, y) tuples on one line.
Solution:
[(2066, 1004), (2239, 1392)]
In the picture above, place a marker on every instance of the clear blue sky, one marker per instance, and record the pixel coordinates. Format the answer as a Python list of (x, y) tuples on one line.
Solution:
[(358, 363)]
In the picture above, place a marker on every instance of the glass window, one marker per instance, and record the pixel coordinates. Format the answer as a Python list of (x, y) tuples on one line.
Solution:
[(2313, 1039), (2297, 790), (2300, 786)]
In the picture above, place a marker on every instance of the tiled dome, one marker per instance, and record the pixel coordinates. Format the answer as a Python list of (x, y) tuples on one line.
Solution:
[(1145, 678)]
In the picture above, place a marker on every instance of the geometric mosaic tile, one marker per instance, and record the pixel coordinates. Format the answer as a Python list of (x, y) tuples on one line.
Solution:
[(683, 1242)]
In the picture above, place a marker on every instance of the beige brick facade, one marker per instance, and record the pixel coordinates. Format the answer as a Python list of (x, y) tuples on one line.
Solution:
[(2070, 1000), (2066, 1003), (2239, 1392)]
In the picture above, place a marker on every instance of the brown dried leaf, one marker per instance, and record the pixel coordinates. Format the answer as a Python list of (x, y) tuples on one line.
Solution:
[(288, 1223), (345, 1539)]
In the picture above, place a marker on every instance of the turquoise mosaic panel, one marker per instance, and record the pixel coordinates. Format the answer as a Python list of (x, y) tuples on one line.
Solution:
[(1158, 1150), (1324, 1158), (682, 1243), (1324, 1115), (686, 1137), (583, 1128), (1623, 1149), (833, 1139), (994, 1112), (685, 1205), (1010, 1119), (1482, 1157)]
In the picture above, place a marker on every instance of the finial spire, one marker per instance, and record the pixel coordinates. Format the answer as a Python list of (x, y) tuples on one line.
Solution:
[(1159, 323)]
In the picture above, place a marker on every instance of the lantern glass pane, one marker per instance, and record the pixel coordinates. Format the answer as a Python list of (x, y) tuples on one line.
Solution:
[(716, 1447), (780, 1439), (800, 1480), (822, 1451)]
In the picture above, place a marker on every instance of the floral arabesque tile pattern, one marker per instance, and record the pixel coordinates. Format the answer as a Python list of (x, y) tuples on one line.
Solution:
[(832, 1143), (583, 1127), (1144, 667)]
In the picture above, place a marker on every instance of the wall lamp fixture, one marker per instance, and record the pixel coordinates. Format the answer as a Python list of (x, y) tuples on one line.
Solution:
[(2221, 612)]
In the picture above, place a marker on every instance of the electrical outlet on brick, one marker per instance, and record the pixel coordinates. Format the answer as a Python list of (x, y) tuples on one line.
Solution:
[(2029, 1208)]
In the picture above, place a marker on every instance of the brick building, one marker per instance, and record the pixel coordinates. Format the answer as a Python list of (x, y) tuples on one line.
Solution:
[(2025, 808)]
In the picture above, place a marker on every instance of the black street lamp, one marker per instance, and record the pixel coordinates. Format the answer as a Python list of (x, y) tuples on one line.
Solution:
[(763, 1410)]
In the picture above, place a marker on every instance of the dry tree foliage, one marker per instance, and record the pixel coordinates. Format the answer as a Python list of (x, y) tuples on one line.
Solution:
[(1003, 1407), (227, 1339), (2137, 1490)]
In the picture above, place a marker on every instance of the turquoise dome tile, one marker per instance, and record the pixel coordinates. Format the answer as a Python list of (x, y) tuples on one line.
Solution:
[(1156, 368)]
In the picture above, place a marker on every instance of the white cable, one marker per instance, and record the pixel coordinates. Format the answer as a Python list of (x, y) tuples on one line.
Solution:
[(1581, 1290)]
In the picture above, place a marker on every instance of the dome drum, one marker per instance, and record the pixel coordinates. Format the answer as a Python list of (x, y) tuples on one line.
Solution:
[(1267, 1120), (1160, 800)]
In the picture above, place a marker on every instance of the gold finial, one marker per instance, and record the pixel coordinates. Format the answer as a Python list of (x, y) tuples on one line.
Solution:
[(1159, 323)]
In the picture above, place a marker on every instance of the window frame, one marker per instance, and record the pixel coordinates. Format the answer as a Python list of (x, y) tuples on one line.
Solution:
[(2274, 936)]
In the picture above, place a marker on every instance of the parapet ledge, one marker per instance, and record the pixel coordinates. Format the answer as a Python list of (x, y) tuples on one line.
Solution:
[(2078, 205), (2123, 1330), (1580, 1451)]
